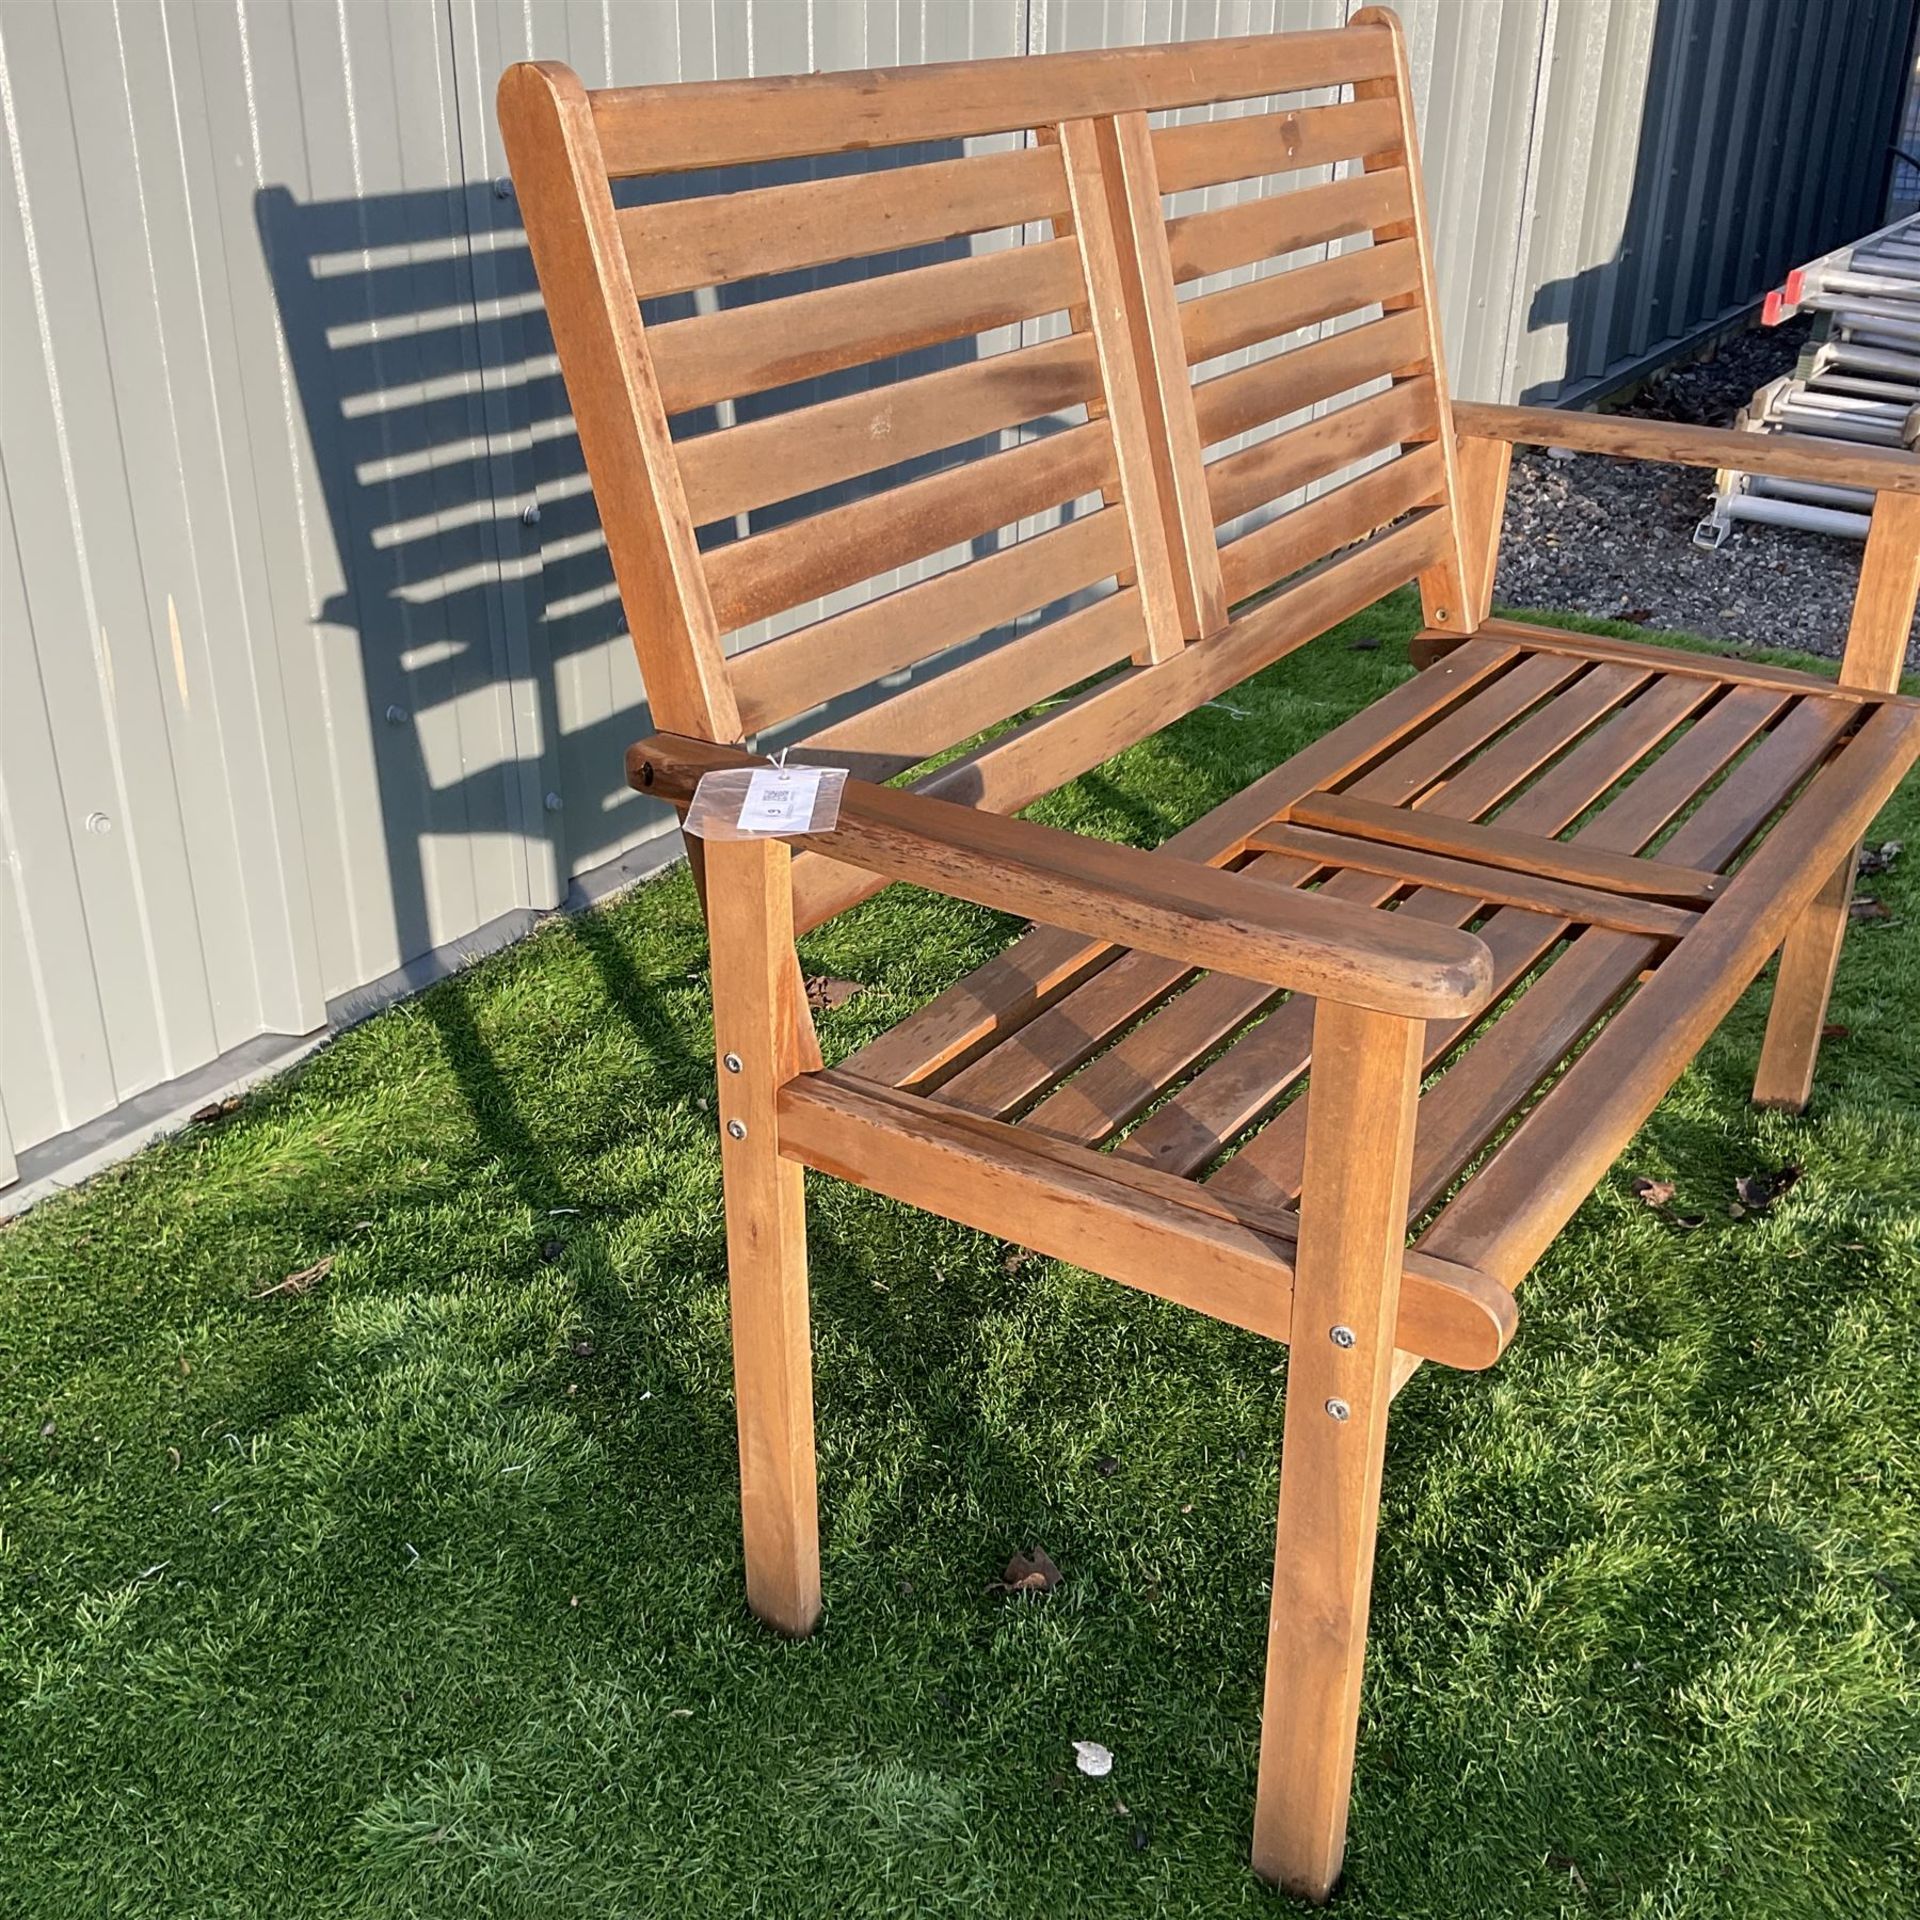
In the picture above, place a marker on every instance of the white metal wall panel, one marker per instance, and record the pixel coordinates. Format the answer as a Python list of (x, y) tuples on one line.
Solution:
[(310, 663)]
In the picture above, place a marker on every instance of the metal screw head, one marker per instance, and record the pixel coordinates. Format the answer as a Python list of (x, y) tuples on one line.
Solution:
[(737, 1128), (731, 1061), (1341, 1336), (1441, 616), (1339, 1410)]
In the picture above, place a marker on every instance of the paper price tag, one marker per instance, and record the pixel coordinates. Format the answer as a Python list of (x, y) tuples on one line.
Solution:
[(749, 803), (779, 800)]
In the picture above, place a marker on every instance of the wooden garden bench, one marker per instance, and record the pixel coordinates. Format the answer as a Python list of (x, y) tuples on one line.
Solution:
[(1462, 888)]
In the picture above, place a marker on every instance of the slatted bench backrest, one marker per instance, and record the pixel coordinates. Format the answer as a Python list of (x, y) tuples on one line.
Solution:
[(725, 429)]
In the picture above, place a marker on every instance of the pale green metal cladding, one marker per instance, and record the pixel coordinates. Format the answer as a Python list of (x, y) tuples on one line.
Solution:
[(311, 674)]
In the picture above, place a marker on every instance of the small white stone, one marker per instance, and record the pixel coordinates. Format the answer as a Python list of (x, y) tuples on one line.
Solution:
[(1092, 1759)]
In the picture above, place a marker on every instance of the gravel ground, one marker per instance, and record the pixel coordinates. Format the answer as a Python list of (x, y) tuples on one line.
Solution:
[(1615, 537)]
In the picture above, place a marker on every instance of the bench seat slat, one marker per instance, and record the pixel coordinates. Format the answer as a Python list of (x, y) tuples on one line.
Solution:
[(1512, 1208), (1243, 1085), (1125, 1080), (1119, 1085), (995, 1000), (1495, 1073)]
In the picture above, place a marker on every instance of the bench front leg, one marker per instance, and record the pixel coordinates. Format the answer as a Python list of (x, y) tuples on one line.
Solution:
[(749, 897), (1346, 1292), (1876, 651)]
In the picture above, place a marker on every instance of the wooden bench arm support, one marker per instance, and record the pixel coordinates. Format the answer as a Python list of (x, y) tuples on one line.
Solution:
[(1790, 456), (1176, 908)]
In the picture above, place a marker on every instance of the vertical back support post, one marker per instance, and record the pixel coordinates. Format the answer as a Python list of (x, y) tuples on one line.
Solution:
[(1446, 589), (1883, 607), (750, 917), (1346, 1298), (594, 313), (1124, 146), (1112, 319)]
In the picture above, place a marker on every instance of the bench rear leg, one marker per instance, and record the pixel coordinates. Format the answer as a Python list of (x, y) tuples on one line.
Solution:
[(1353, 1222), (750, 918), (1798, 1015), (1876, 651)]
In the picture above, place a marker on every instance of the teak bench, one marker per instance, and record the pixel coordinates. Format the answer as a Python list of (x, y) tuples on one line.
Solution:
[(1542, 849)]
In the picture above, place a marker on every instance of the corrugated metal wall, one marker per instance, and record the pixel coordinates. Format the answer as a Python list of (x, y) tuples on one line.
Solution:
[(310, 664)]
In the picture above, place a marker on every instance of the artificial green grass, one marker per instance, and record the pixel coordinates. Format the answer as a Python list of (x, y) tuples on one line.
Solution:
[(420, 1593)]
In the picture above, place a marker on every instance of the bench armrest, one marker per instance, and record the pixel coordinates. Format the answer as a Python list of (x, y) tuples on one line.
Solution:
[(1789, 455), (1176, 908)]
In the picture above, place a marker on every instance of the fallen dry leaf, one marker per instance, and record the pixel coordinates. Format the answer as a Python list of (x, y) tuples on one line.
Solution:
[(1758, 1191), (298, 1283), (214, 1110), (1094, 1760), (824, 991), (1029, 1572), (1863, 906), (1653, 1193), (1634, 616), (1833, 1030)]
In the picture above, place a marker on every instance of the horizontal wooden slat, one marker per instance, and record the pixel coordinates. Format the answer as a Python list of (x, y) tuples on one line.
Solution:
[(1516, 1204), (1257, 1070), (1018, 985), (1269, 1167), (1301, 377), (1480, 786), (1498, 1072), (722, 123), (1133, 1072), (808, 448), (1251, 145), (715, 239), (771, 343), (1163, 1236), (1729, 669), (1502, 886), (1280, 223), (825, 551), (1281, 303), (922, 720), (783, 677), (1793, 456), (1349, 513), (1502, 846), (1014, 770), (1049, 1048), (1283, 462)]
